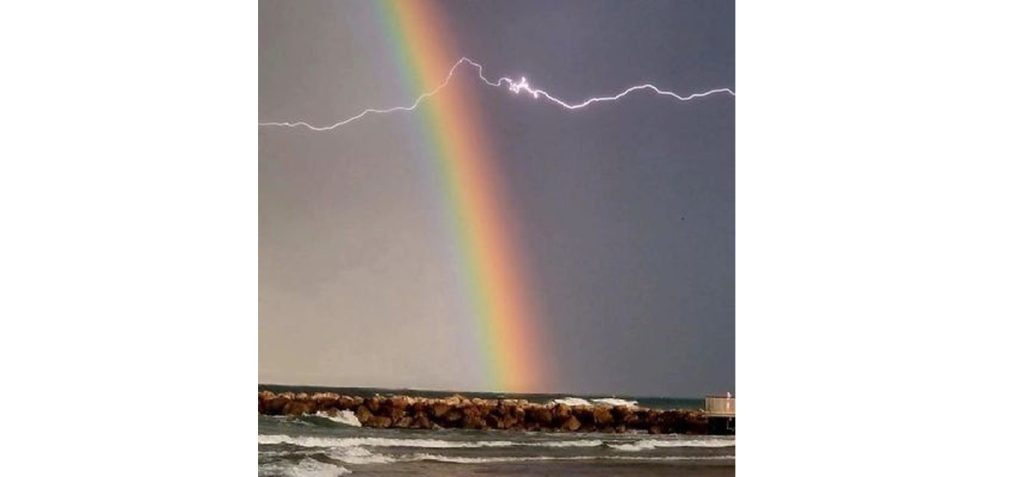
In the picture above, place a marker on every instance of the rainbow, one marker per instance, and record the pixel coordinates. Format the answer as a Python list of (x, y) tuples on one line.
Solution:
[(483, 225)]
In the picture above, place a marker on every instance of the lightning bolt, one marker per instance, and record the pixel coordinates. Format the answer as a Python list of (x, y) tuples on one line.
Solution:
[(516, 87)]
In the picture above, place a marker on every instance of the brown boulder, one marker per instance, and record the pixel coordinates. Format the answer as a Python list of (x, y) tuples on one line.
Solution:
[(572, 424), (603, 416), (347, 403), (518, 413), (276, 405), (395, 413), (541, 415), (363, 414), (456, 400), (675, 421), (266, 398), (297, 408), (325, 401), (696, 423), (321, 396), (636, 419), (422, 422), (439, 409), (510, 422), (453, 415), (561, 413), (472, 418), (399, 402), (584, 414), (473, 421), (378, 421), (654, 418)]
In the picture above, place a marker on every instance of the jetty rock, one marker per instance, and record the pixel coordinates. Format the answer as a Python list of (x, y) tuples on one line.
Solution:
[(459, 412)]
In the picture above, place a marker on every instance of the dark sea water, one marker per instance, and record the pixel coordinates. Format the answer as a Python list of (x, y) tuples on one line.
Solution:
[(323, 446)]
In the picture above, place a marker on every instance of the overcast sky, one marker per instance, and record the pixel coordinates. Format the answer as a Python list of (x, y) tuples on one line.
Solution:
[(628, 206)]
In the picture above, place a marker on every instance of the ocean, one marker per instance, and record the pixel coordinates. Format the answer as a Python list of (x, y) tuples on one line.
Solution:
[(330, 446)]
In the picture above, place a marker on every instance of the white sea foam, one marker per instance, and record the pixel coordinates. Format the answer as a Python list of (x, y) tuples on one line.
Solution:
[(305, 468), (346, 442), (577, 443), (616, 402), (610, 401), (344, 417), (650, 444), (668, 458), (358, 455), (498, 460), (572, 401), (314, 441), (289, 419)]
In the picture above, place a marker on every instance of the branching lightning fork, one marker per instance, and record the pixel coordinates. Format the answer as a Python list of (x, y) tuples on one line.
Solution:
[(521, 86)]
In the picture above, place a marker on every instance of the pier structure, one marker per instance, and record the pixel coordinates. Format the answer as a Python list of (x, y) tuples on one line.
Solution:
[(721, 413)]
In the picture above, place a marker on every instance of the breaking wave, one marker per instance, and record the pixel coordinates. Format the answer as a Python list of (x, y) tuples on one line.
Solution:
[(305, 468), (358, 455), (651, 444), (314, 441), (344, 417), (616, 402), (578, 443), (314, 468), (609, 401), (323, 456), (571, 401), (355, 442), (495, 460)]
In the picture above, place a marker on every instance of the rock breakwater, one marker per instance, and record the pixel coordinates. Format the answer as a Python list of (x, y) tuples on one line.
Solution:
[(459, 412)]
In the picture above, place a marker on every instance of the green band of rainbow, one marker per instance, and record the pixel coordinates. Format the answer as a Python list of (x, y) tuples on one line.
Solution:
[(475, 196)]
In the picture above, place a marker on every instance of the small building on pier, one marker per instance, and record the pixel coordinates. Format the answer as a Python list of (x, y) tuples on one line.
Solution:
[(721, 412)]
